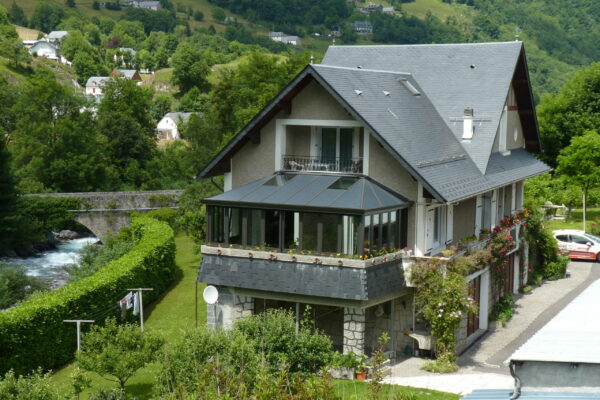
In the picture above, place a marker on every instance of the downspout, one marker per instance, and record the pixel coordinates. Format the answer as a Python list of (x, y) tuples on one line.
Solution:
[(215, 184), (517, 391)]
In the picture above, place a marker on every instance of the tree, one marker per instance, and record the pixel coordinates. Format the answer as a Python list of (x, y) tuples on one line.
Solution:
[(189, 68), (349, 35), (198, 15), (161, 105), (70, 3), (117, 351), (579, 163), (17, 15), (8, 198), (46, 16), (218, 14), (14, 50), (36, 386), (574, 111), (96, 5)]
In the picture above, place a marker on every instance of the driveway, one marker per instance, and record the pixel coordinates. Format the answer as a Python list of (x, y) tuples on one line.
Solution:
[(482, 364)]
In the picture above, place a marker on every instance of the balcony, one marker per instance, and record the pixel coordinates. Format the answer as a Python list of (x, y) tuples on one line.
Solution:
[(323, 164)]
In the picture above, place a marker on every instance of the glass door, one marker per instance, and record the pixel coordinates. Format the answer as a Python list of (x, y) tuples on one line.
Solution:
[(328, 145)]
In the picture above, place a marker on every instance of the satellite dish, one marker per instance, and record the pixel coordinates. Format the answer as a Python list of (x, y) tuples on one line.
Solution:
[(210, 294)]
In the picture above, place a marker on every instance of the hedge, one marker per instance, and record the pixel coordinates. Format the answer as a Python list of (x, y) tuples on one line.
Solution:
[(33, 334)]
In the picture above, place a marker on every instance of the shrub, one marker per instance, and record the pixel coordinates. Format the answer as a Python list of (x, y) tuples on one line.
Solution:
[(33, 334), (167, 215), (16, 285), (503, 310), (544, 258), (36, 386), (274, 333), (556, 269), (93, 256)]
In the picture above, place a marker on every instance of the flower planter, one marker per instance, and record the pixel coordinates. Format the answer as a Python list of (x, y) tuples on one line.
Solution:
[(342, 373), (361, 376)]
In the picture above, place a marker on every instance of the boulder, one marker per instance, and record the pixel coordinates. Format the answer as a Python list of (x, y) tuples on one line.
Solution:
[(67, 235)]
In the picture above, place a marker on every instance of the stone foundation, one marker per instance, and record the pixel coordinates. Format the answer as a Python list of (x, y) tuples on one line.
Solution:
[(354, 330), (229, 309)]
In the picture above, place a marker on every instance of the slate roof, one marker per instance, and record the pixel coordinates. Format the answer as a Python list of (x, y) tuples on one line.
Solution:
[(454, 76), (57, 34), (312, 191), (572, 336), (126, 73), (413, 124), (504, 394), (97, 81), (345, 283)]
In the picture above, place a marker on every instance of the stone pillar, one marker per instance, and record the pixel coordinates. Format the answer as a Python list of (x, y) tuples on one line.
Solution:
[(228, 309), (354, 330)]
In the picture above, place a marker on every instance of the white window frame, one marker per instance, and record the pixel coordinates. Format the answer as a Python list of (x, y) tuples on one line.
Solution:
[(435, 246)]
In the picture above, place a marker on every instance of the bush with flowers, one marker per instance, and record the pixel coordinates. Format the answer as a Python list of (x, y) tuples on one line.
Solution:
[(443, 299), (545, 261)]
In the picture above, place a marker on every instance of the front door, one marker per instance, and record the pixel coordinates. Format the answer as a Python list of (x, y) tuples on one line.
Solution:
[(432, 231)]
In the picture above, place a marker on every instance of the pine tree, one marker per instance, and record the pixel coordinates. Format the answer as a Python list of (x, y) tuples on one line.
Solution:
[(8, 198)]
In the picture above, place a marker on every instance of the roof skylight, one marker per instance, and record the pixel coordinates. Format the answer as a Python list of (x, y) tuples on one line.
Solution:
[(409, 86)]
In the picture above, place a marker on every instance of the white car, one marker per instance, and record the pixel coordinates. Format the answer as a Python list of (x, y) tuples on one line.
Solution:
[(578, 244)]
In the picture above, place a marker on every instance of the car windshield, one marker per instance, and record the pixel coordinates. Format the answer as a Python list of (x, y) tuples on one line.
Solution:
[(594, 238)]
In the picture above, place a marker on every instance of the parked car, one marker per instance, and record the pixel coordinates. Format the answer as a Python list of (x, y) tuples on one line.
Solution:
[(578, 244)]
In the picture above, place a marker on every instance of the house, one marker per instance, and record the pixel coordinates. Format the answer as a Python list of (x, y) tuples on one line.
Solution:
[(379, 148), (168, 126), (147, 5), (371, 8), (130, 74), (293, 40), (43, 48), (283, 38), (388, 10), (276, 36), (56, 37), (363, 26), (95, 84)]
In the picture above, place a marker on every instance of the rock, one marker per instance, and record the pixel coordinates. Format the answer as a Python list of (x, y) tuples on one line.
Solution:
[(67, 235)]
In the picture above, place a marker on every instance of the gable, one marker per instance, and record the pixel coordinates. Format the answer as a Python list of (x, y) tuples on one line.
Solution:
[(454, 77)]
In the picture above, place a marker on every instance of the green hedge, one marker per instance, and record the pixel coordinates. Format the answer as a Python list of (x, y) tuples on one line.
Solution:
[(33, 334)]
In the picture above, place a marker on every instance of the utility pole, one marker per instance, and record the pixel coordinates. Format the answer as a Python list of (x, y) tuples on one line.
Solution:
[(78, 322), (140, 290)]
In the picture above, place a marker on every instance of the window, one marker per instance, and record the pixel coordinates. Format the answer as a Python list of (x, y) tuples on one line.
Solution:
[(433, 231), (337, 147), (235, 225), (272, 228), (486, 211), (579, 239), (562, 238), (254, 228)]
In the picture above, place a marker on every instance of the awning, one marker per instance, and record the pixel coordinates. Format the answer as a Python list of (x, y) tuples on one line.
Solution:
[(313, 192)]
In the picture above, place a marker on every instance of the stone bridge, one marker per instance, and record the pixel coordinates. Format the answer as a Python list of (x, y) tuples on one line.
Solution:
[(106, 212)]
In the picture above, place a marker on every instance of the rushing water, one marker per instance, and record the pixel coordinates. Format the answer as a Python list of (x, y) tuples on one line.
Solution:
[(49, 264)]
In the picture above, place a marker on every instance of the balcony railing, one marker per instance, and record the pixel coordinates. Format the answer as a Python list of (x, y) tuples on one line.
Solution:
[(323, 164)]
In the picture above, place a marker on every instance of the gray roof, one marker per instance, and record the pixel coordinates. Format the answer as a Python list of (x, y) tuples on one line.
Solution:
[(127, 73), (179, 116), (144, 4), (97, 81), (57, 34), (312, 191), (445, 74), (572, 336), (410, 123), (304, 279), (504, 394)]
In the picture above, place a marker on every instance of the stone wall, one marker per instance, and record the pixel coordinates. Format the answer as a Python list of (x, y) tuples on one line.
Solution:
[(397, 318), (228, 309), (354, 330)]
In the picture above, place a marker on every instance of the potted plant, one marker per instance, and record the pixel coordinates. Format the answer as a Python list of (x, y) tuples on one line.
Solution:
[(470, 242), (343, 366), (484, 233), (361, 367)]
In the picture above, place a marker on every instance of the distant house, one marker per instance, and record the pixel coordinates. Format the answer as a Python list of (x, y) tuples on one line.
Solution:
[(29, 43), (95, 84), (43, 48), (229, 20), (362, 26), (130, 74), (168, 126), (388, 10), (148, 5), (370, 8), (276, 36), (283, 38), (56, 37), (125, 56)]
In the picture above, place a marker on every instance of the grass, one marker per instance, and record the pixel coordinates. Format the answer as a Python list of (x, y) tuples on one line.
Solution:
[(575, 221), (353, 390), (169, 315), (26, 33), (442, 10)]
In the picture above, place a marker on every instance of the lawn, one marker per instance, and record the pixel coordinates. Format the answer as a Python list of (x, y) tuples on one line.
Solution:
[(442, 10), (576, 220), (174, 312)]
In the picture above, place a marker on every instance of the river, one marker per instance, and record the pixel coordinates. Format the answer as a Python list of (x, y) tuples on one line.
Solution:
[(49, 264)]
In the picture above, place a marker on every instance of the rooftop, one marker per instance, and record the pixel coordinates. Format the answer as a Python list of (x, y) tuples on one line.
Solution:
[(572, 336)]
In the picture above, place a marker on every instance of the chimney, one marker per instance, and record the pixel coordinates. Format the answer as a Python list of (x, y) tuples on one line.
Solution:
[(468, 124)]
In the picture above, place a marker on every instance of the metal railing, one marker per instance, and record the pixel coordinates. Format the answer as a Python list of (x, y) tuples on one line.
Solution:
[(335, 164)]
